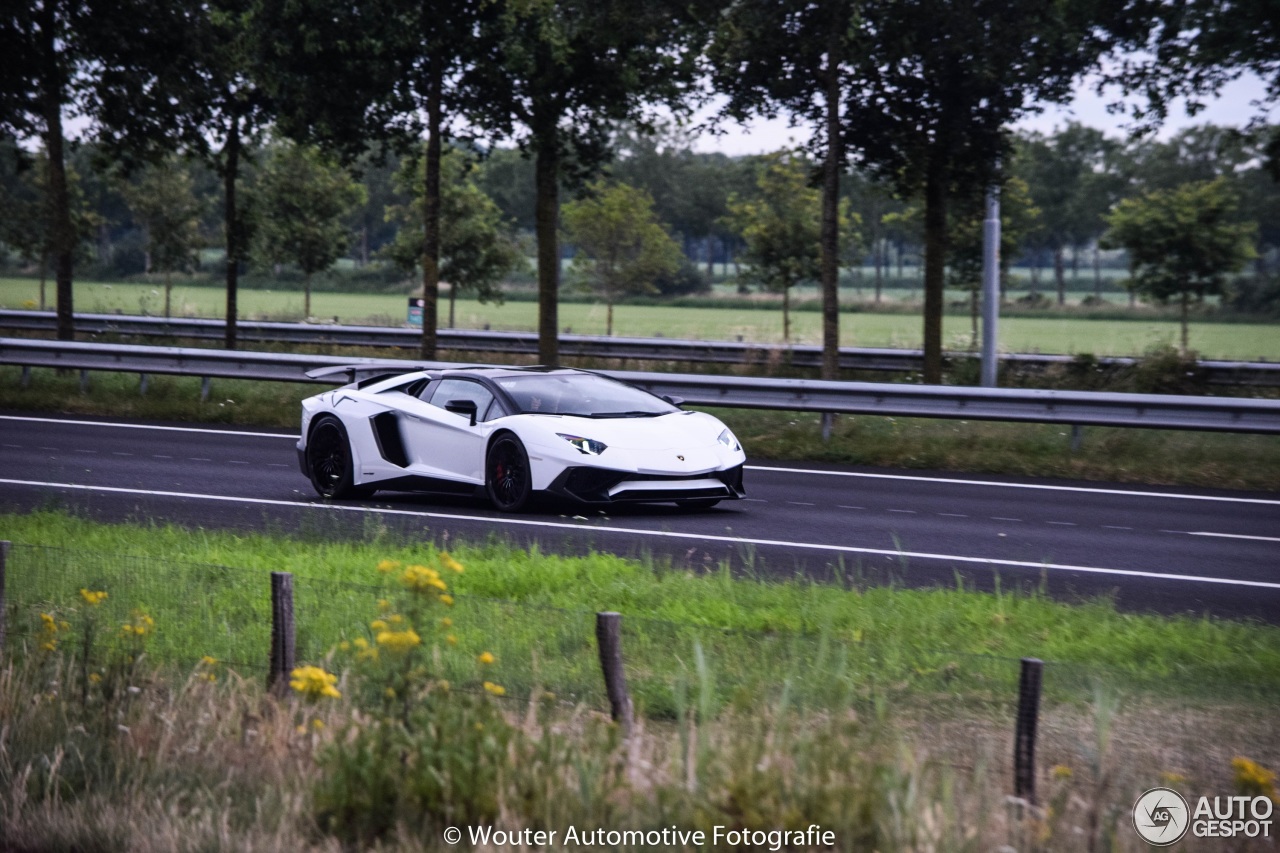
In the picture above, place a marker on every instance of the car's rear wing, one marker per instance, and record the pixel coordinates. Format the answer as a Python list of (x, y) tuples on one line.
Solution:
[(365, 373)]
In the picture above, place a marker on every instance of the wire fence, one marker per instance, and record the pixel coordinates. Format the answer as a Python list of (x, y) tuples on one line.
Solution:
[(961, 706)]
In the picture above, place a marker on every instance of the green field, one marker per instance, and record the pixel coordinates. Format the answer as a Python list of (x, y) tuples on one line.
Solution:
[(1242, 341)]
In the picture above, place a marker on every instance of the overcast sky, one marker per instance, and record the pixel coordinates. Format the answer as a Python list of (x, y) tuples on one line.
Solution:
[(1233, 107)]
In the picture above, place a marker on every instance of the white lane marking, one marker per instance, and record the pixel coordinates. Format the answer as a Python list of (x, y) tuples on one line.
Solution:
[(160, 456), (799, 503), (1115, 527), (1003, 485), (756, 500), (908, 511), (198, 459), (842, 506), (953, 515), (145, 426), (1001, 518), (660, 534), (1063, 523), (1226, 535)]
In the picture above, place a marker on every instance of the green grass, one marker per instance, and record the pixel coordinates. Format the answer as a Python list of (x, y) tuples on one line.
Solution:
[(1117, 455), (833, 643), (1068, 334)]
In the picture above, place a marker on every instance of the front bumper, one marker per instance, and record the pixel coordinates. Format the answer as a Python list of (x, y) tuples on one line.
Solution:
[(604, 486)]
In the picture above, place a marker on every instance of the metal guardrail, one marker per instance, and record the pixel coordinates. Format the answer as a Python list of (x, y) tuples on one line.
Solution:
[(1080, 408), (1261, 374)]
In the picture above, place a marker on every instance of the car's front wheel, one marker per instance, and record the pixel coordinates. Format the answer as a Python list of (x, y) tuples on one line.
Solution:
[(329, 460), (507, 475)]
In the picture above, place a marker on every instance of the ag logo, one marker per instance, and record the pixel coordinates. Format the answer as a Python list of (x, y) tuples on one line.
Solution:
[(1161, 817), (681, 458)]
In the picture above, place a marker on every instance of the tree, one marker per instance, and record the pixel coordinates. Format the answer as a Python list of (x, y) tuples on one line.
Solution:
[(566, 72), (163, 204), (27, 214), (1181, 242), (391, 71), (476, 250), (782, 228), (768, 56), (622, 247), (303, 201), (1071, 183), (190, 82), (936, 84)]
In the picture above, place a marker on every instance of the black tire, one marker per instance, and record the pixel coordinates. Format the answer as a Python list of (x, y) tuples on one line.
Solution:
[(698, 503), (506, 474), (329, 460)]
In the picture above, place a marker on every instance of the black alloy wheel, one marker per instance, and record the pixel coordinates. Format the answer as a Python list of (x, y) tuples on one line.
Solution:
[(329, 460), (507, 475)]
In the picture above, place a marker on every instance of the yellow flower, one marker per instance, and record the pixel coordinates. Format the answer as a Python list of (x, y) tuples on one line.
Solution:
[(390, 693), (94, 678), (446, 600), (495, 689), (208, 661), (1252, 779), (395, 619), (139, 625), (446, 622), (1061, 771), (450, 563), (92, 598), (486, 657), (317, 724), (399, 641), (422, 580), (344, 646), (388, 566), (451, 639), (1168, 777), (378, 624), (384, 605), (313, 682), (443, 684), (360, 643)]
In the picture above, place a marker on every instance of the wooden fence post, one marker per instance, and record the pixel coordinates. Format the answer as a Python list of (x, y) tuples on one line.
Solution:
[(1024, 744), (283, 646), (4, 558), (609, 639)]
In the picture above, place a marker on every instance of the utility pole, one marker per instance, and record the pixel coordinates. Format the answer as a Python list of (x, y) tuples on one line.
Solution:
[(990, 285)]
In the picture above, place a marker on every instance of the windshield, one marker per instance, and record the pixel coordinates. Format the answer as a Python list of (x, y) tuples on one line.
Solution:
[(582, 394)]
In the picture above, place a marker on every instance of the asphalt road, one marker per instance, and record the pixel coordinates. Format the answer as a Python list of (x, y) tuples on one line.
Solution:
[(1154, 548)]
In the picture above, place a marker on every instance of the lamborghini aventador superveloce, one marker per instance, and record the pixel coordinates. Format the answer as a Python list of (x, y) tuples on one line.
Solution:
[(513, 434)]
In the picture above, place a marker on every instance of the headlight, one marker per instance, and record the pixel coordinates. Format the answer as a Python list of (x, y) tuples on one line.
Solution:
[(589, 446), (727, 439)]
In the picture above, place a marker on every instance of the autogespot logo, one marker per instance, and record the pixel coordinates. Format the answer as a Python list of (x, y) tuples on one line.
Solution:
[(1161, 817)]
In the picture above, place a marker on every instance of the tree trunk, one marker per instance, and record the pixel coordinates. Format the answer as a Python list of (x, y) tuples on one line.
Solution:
[(786, 313), (830, 238), (44, 271), (973, 318), (547, 178), (1185, 300), (711, 258), (935, 259), (231, 220), (1059, 275), (877, 257), (306, 296), (453, 300), (168, 291), (431, 214), (62, 233), (608, 319), (1097, 273)]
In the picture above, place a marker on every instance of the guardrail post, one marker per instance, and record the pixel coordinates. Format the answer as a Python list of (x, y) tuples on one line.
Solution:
[(26, 375), (84, 382), (205, 383), (1024, 743), (609, 639), (142, 384), (4, 558), (827, 420), (1077, 437), (283, 644)]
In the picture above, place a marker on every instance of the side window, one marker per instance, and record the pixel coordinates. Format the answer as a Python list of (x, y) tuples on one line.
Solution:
[(463, 389)]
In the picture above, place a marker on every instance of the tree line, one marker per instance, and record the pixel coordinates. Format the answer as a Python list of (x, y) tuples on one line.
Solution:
[(911, 99)]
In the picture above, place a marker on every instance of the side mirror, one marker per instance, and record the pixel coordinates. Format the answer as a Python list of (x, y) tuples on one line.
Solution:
[(466, 408), (675, 401)]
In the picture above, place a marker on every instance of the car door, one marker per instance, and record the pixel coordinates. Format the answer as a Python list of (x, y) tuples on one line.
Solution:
[(444, 442)]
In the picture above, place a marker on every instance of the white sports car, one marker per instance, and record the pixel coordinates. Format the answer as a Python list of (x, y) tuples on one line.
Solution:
[(514, 433)]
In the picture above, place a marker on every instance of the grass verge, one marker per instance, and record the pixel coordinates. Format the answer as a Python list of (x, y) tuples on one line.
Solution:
[(882, 715)]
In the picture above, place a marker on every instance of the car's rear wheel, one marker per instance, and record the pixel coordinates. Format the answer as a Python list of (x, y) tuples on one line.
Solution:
[(698, 503), (329, 460), (507, 475)]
